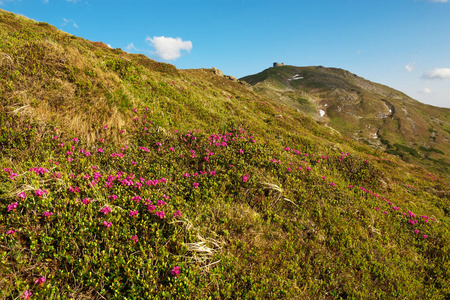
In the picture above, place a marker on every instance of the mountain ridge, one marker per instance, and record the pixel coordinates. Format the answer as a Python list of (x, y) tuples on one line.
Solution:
[(366, 111)]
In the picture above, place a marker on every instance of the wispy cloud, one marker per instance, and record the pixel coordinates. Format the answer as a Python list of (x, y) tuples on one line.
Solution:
[(169, 48), (69, 21), (410, 67), (73, 1), (2, 2), (425, 91), (438, 73), (45, 1), (441, 1), (130, 47)]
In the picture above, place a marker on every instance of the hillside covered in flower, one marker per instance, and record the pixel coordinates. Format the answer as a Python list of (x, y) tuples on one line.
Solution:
[(125, 178)]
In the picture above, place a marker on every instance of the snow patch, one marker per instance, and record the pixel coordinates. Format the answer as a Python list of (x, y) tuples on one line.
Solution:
[(325, 105), (296, 77), (321, 112)]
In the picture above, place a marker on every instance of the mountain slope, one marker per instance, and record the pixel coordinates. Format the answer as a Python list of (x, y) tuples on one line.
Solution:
[(122, 177), (369, 112)]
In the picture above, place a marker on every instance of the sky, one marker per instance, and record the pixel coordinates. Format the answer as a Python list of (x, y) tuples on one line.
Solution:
[(404, 44)]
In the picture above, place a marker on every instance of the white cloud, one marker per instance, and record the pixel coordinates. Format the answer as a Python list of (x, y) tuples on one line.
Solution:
[(74, 1), (410, 67), (169, 48), (45, 1), (425, 91), (130, 47), (438, 73), (441, 1), (69, 21)]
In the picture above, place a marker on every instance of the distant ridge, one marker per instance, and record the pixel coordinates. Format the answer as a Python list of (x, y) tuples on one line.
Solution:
[(362, 110)]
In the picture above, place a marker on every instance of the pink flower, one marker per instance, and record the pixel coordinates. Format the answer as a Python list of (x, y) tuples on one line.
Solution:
[(106, 210), (245, 178), (105, 126), (416, 231), (86, 201), (75, 140), (241, 151), (100, 150), (160, 214), (26, 295), (196, 184), (186, 175), (134, 238), (47, 214), (161, 203), (133, 213), (12, 231), (40, 280), (12, 206), (107, 224), (177, 214), (151, 207), (175, 271), (425, 236), (332, 184)]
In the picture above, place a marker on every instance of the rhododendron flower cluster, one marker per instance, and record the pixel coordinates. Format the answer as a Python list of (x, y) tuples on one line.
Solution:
[(40, 280), (175, 271), (106, 210), (12, 206), (160, 214)]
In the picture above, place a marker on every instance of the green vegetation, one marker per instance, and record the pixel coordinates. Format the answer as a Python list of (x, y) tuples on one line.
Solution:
[(357, 108), (125, 178)]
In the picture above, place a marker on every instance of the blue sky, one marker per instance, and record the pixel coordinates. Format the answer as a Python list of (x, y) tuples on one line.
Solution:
[(404, 44)]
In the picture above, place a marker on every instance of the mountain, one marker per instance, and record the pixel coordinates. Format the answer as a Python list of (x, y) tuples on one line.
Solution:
[(126, 178), (369, 112)]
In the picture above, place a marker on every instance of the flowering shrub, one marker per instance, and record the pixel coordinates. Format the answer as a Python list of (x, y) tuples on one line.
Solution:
[(216, 210)]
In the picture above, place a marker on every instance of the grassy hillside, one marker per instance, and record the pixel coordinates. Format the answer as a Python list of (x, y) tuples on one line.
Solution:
[(125, 178), (372, 113)]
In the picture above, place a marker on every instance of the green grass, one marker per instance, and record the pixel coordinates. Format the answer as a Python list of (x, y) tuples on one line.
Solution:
[(357, 108), (273, 205)]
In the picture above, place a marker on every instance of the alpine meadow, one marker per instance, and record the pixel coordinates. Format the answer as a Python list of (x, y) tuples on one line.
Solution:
[(126, 178)]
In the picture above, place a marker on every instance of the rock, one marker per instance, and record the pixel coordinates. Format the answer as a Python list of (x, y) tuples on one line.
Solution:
[(217, 71)]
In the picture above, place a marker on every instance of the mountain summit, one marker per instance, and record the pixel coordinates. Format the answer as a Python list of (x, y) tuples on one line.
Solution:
[(362, 110)]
